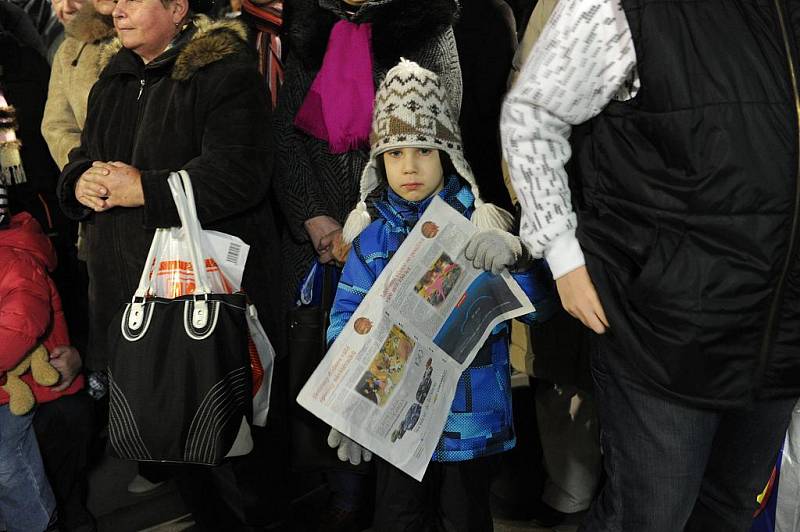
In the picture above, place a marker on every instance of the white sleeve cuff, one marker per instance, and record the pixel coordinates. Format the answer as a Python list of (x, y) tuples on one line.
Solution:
[(564, 254)]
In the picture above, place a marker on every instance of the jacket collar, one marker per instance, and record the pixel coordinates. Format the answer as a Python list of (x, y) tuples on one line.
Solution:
[(404, 214), (89, 26), (203, 42)]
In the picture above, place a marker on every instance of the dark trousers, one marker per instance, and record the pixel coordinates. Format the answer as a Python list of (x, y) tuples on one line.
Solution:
[(64, 429), (452, 497), (673, 467)]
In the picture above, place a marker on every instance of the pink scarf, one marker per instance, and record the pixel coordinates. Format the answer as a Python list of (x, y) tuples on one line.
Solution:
[(338, 107)]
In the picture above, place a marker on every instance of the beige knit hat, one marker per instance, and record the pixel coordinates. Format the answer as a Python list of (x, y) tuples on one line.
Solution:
[(411, 111)]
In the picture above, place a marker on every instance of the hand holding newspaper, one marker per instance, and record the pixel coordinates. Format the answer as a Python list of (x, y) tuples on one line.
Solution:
[(389, 378)]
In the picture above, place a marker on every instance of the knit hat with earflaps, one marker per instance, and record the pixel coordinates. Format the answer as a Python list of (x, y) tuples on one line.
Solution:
[(411, 111)]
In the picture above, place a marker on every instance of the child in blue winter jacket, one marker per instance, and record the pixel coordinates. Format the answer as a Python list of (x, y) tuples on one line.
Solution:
[(416, 150)]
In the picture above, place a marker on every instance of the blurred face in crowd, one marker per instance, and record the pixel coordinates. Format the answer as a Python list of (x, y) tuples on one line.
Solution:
[(104, 7), (146, 27), (65, 9), (414, 173)]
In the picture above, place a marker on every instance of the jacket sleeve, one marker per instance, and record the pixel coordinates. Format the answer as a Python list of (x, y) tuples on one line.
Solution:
[(24, 310), (562, 84), (296, 187), (58, 333), (356, 280), (537, 283), (60, 128), (233, 171), (79, 162)]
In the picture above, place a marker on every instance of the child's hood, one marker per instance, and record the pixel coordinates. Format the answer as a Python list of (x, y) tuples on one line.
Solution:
[(25, 234)]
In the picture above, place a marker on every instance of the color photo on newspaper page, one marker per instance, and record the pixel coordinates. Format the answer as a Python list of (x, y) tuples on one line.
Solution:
[(389, 379)]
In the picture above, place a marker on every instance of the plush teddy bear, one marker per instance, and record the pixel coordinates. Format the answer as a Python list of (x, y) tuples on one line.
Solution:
[(20, 396)]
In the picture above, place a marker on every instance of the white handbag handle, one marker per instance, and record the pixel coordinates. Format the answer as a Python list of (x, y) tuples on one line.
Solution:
[(149, 272)]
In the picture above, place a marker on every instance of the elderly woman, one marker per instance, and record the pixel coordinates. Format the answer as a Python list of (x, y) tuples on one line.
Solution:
[(177, 91)]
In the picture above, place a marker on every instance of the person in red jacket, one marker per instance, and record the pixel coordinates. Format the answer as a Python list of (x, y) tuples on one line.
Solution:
[(30, 314)]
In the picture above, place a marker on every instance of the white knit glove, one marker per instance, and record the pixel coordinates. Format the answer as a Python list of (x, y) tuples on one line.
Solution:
[(348, 449), (494, 250)]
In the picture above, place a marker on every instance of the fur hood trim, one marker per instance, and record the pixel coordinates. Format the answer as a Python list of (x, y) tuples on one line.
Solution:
[(89, 26), (211, 41), (399, 26), (214, 40)]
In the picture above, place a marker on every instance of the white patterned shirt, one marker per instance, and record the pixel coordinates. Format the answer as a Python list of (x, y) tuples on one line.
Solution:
[(583, 59)]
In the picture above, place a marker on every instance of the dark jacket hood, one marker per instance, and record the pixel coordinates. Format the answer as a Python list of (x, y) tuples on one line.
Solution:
[(399, 26), (25, 234), (207, 42), (89, 26)]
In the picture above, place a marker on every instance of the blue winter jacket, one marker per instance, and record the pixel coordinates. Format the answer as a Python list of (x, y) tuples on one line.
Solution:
[(480, 421)]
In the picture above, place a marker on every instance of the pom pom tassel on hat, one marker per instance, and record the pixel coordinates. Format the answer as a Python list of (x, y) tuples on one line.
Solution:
[(412, 111), (11, 169), (358, 220), (490, 216)]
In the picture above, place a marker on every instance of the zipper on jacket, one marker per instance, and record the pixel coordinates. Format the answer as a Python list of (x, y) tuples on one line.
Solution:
[(140, 105), (767, 341)]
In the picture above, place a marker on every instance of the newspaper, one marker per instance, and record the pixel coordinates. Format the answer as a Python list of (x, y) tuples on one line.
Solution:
[(389, 378)]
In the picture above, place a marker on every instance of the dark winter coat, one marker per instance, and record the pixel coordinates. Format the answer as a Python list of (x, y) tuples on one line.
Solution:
[(201, 106), (30, 308), (310, 181), (487, 40), (688, 214)]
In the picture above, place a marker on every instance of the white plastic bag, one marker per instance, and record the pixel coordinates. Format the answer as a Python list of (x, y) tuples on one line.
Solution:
[(224, 255), (262, 384)]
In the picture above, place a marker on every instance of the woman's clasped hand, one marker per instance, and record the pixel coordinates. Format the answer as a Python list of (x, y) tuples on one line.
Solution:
[(112, 184)]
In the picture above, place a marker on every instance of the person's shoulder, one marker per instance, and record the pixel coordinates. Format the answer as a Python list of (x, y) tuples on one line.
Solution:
[(218, 48)]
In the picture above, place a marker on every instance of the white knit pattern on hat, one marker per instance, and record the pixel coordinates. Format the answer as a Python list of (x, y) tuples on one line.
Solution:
[(411, 111)]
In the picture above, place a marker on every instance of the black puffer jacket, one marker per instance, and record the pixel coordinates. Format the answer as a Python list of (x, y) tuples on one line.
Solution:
[(689, 207), (310, 180), (201, 106)]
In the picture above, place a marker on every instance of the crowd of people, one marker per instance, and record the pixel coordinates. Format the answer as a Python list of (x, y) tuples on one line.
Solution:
[(631, 163)]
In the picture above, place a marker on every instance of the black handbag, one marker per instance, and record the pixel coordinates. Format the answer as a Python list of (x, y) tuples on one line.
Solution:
[(307, 347), (179, 369)]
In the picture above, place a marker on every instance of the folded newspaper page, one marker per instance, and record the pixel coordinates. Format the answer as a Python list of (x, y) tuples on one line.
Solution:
[(388, 380)]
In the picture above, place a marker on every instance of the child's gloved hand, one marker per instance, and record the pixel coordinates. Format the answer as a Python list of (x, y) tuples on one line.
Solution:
[(494, 250), (348, 449)]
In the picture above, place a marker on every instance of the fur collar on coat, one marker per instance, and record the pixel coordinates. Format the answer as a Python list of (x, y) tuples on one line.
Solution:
[(89, 26), (399, 26), (212, 41)]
